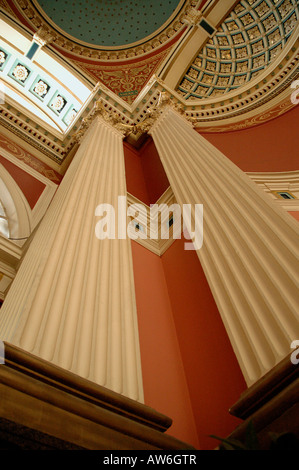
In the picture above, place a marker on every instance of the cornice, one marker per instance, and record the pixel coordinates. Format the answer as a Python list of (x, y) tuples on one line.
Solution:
[(156, 245), (137, 119), (267, 91), (270, 91), (250, 105), (33, 133)]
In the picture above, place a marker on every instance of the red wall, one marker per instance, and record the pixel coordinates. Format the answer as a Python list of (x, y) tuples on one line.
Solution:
[(147, 162), (190, 372), (295, 214), (136, 184), (164, 381), (213, 375), (273, 146), (30, 186), (156, 179)]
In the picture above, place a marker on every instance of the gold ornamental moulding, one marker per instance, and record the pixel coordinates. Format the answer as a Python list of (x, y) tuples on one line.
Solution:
[(257, 98), (264, 93), (52, 34), (269, 91), (112, 118)]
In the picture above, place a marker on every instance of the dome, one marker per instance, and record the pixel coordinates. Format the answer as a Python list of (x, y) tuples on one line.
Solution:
[(113, 23)]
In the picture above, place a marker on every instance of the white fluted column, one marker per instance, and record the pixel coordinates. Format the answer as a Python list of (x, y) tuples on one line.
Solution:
[(250, 247), (73, 299)]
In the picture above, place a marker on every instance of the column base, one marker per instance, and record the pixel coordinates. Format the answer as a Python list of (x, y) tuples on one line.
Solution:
[(45, 407), (272, 406)]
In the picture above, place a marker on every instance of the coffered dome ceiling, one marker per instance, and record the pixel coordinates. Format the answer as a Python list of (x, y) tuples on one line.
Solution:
[(248, 41), (122, 43)]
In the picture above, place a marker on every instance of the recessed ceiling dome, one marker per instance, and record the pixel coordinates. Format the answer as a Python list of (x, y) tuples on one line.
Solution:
[(110, 23)]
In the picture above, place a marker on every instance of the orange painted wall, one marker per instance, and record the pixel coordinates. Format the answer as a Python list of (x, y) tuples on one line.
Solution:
[(139, 163), (31, 187), (164, 380), (273, 146), (156, 179), (135, 179), (213, 375), (181, 379), (190, 370), (295, 214)]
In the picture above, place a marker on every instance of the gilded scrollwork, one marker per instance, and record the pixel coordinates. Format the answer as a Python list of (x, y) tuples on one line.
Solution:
[(192, 17), (44, 36), (111, 117)]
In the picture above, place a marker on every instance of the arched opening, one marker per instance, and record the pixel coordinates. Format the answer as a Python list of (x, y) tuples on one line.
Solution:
[(15, 212), (4, 227)]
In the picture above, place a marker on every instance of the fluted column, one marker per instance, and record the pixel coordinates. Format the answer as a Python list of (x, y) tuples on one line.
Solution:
[(250, 247), (73, 300)]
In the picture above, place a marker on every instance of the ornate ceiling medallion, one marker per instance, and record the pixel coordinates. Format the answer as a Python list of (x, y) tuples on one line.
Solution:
[(2, 57), (41, 89), (21, 73)]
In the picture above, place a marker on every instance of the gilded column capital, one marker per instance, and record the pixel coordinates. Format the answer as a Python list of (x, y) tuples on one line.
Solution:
[(110, 117), (44, 36), (159, 111), (192, 17)]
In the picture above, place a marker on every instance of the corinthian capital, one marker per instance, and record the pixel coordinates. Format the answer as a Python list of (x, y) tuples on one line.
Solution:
[(112, 118), (109, 116), (192, 17), (152, 114), (44, 35)]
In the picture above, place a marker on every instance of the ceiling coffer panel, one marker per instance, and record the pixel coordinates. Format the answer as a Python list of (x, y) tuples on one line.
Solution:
[(249, 39)]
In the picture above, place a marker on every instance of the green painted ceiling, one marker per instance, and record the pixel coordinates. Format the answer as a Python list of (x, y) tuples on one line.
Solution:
[(109, 23)]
